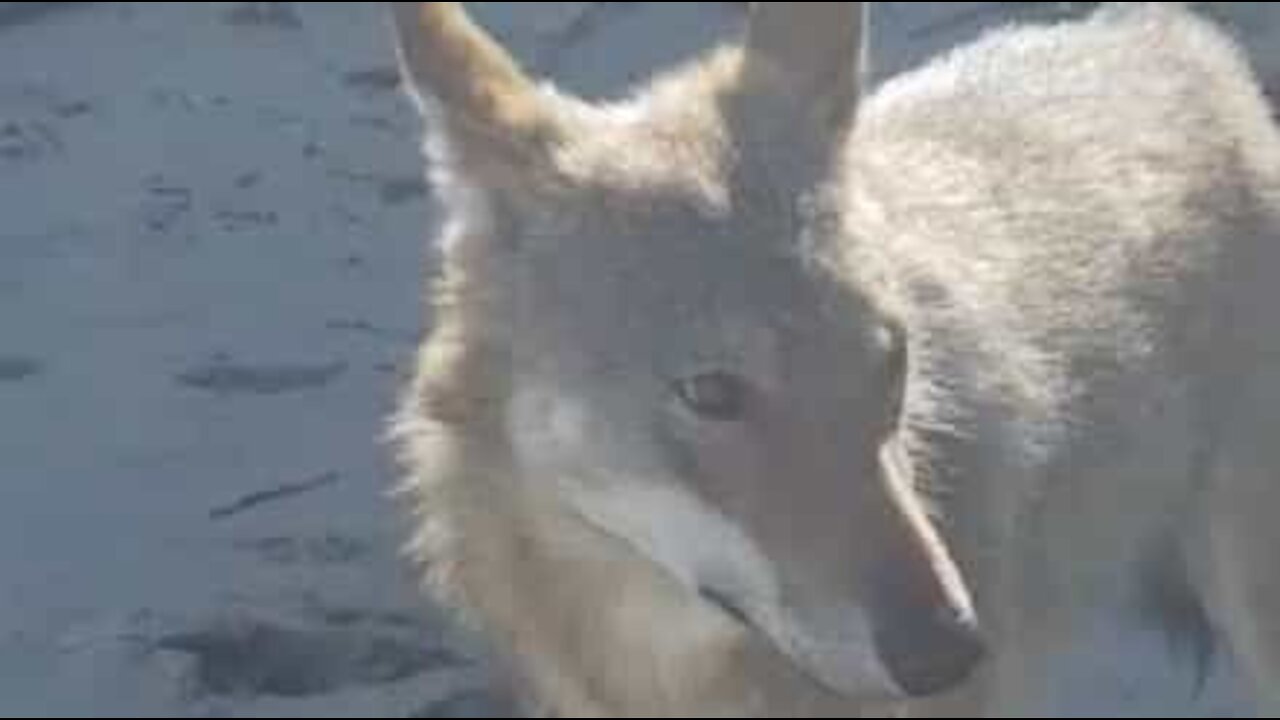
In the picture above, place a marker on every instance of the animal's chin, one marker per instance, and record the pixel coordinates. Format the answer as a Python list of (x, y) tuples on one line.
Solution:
[(735, 613)]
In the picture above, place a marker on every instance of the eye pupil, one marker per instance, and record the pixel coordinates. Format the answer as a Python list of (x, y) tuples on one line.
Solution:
[(715, 396)]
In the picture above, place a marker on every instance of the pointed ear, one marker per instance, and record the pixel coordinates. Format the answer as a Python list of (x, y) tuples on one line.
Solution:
[(809, 53), (494, 121)]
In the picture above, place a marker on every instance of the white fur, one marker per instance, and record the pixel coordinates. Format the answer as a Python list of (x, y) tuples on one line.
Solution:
[(689, 540)]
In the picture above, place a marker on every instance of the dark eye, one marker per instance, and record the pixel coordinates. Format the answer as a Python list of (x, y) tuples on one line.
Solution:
[(716, 396)]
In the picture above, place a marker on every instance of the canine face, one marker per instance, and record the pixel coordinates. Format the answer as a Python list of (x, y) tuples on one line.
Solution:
[(694, 369)]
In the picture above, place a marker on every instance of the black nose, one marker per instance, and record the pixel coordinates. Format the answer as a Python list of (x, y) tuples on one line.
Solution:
[(929, 652)]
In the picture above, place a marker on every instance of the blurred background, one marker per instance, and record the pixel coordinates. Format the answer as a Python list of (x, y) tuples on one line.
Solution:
[(213, 248)]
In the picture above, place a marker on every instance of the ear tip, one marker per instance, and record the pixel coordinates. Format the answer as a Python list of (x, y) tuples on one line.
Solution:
[(806, 28), (427, 12), (814, 51), (472, 90)]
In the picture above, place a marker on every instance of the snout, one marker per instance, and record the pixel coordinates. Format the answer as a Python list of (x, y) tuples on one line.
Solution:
[(923, 619), (925, 629), (928, 650)]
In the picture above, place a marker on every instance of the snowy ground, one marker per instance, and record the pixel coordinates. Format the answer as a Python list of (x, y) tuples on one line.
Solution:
[(210, 264)]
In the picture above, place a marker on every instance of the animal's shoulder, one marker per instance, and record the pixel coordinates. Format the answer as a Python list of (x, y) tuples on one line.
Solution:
[(1144, 68)]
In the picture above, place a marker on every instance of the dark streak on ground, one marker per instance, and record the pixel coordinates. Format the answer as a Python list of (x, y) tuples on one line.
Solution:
[(16, 369), (326, 551), (398, 191), (469, 705), (583, 25), (226, 378), (364, 327), (278, 15), (277, 494), (18, 13), (248, 657), (377, 79)]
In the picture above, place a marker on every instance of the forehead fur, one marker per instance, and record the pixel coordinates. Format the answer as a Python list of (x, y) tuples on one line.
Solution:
[(703, 129), (695, 216), (673, 132)]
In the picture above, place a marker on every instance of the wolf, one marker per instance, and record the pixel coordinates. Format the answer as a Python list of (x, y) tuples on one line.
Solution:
[(761, 392)]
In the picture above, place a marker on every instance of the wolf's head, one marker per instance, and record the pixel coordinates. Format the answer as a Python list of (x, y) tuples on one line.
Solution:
[(695, 369)]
